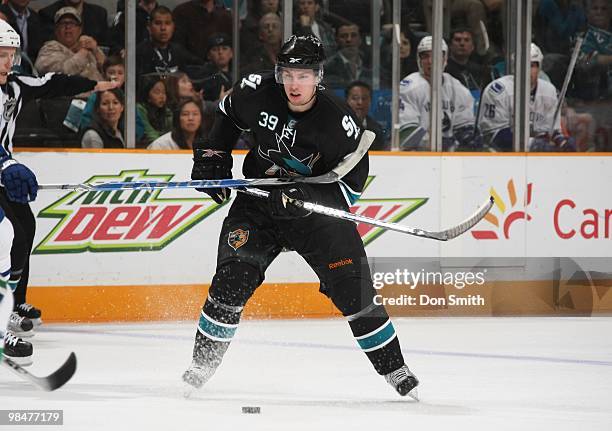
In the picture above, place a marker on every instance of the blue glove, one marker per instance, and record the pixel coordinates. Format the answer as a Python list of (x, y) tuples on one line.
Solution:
[(564, 143), (18, 181), (541, 144)]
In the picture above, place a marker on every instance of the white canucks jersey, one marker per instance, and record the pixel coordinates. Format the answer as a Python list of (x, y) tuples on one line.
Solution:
[(497, 107), (415, 104)]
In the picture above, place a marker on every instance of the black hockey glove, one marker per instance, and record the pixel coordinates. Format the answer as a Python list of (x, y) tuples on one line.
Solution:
[(284, 202), (211, 164)]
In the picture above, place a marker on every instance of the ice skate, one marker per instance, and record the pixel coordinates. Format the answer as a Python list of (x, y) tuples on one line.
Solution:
[(29, 311), (404, 382), (195, 377), (20, 326), (18, 350)]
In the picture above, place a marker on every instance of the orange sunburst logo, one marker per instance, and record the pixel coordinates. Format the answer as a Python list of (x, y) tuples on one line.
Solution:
[(504, 221)]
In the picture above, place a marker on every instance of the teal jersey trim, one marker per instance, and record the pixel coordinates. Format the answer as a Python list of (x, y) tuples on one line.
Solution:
[(350, 195), (216, 330), (377, 339)]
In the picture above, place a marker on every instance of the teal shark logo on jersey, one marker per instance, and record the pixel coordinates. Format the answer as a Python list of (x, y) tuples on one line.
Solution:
[(298, 167), (285, 157)]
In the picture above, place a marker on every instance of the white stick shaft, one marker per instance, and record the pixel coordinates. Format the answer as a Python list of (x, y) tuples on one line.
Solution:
[(444, 235), (566, 81)]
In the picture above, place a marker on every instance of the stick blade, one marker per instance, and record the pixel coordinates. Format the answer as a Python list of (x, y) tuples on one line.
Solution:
[(53, 381), (467, 224), (62, 375)]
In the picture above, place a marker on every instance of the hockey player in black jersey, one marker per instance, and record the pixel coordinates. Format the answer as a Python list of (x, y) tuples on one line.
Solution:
[(299, 129), (18, 182)]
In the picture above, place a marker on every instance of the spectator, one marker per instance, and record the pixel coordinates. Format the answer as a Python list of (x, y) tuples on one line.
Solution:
[(309, 22), (594, 69), (457, 107), (472, 75), (270, 36), (348, 63), (249, 29), (196, 21), (473, 14), (152, 108), (359, 97), (555, 25), (104, 131), (94, 19), (113, 69), (497, 107), (159, 54), (217, 78), (27, 23), (117, 30), (407, 54), (187, 128), (179, 87), (344, 12), (71, 52)]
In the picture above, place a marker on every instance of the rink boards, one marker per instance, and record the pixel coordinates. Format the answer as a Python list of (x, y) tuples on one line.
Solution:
[(149, 255)]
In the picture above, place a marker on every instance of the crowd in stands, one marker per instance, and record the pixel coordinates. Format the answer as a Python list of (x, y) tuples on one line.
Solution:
[(184, 56)]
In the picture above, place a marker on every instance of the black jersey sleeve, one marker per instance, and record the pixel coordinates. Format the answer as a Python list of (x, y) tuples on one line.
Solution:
[(233, 115), (53, 85), (346, 133)]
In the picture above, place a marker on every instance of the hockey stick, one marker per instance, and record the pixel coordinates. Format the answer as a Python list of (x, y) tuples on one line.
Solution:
[(343, 168), (443, 235), (485, 36), (51, 382), (566, 81)]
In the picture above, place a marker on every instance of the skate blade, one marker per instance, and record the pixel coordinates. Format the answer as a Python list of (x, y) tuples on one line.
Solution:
[(24, 361), (22, 334), (37, 322), (188, 390), (414, 394)]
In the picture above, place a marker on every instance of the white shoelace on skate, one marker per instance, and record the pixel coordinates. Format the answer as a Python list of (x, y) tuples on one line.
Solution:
[(398, 376), (16, 319), (10, 338), (25, 306)]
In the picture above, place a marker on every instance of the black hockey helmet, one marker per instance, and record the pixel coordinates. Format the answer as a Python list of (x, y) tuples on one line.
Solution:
[(300, 52)]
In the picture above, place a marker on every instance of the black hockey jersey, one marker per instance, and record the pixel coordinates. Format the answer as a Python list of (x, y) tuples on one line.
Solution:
[(287, 143), (20, 89)]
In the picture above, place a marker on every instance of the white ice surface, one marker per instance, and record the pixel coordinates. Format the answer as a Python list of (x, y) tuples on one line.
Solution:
[(476, 374)]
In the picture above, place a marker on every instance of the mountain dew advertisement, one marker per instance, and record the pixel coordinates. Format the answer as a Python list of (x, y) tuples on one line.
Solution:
[(122, 220), (148, 220)]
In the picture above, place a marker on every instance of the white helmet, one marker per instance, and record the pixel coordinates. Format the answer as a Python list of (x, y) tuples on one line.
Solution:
[(8, 36), (426, 44), (536, 54)]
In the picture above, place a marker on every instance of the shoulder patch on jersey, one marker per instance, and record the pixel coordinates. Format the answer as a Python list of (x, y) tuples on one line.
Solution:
[(405, 82), (497, 87)]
